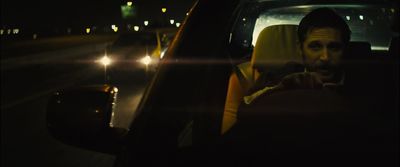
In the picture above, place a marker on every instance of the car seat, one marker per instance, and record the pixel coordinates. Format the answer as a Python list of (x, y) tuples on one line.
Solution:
[(275, 47)]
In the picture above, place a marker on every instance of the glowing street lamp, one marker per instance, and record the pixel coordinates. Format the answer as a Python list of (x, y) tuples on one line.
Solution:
[(178, 24), (15, 31), (129, 3), (146, 23), (172, 21), (136, 28), (163, 10), (114, 28), (87, 30)]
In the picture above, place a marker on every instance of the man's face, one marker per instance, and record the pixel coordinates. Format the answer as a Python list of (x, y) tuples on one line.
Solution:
[(322, 52)]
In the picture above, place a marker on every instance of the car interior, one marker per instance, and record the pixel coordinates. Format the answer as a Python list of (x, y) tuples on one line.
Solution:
[(274, 45)]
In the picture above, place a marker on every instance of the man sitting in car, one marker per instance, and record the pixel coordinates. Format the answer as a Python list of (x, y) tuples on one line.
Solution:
[(310, 120), (323, 36)]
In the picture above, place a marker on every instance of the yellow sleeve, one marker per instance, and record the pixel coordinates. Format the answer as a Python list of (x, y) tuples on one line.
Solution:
[(234, 97)]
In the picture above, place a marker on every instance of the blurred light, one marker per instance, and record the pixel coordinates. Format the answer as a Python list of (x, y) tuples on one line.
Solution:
[(115, 29), (87, 30), (15, 31), (347, 17), (163, 10), (172, 21), (379, 48), (146, 60), (97, 111), (178, 24), (105, 61), (69, 30), (115, 89), (9, 31), (146, 23), (1, 31), (187, 14), (392, 10), (129, 3), (361, 17), (34, 36), (136, 28), (371, 22), (244, 19), (162, 53), (129, 26)]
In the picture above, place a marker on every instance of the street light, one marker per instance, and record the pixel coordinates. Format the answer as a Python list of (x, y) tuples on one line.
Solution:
[(178, 24), (136, 28), (129, 3), (172, 21), (87, 30), (163, 10), (146, 23), (114, 28), (15, 31)]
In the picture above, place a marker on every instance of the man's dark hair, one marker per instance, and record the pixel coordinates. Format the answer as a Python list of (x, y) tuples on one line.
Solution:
[(322, 18)]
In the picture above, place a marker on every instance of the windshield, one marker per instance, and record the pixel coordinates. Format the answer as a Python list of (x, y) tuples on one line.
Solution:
[(367, 23)]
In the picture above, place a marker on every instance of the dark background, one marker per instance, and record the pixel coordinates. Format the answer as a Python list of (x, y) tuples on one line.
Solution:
[(59, 15)]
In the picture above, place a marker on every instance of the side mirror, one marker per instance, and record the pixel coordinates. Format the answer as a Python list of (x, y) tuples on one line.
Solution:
[(82, 117)]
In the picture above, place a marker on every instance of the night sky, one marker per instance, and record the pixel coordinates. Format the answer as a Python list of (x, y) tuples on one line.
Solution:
[(62, 13)]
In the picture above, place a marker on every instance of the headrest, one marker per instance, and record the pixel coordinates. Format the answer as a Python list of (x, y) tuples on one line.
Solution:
[(276, 45)]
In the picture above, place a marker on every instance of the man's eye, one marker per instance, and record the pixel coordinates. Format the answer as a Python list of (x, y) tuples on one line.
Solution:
[(315, 46)]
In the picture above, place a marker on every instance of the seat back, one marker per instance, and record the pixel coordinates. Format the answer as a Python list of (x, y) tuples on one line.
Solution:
[(276, 45)]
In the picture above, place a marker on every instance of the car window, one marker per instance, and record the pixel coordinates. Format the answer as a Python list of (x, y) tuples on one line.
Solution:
[(367, 23)]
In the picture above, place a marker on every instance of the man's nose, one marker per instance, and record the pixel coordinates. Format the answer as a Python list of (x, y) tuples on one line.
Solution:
[(324, 55)]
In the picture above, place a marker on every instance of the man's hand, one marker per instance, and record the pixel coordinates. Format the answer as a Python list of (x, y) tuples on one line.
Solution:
[(303, 80)]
